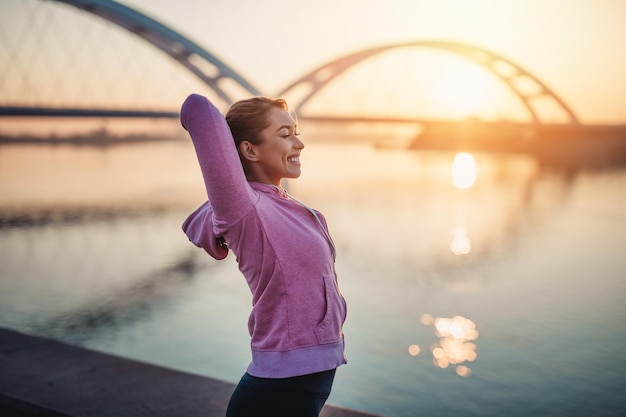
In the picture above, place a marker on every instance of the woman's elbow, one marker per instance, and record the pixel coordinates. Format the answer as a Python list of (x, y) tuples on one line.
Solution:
[(191, 104)]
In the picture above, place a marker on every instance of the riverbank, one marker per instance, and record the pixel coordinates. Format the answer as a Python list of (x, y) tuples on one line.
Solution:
[(567, 146), (44, 377)]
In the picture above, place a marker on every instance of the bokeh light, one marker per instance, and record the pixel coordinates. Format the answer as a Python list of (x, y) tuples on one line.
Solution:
[(414, 350), (463, 170), (460, 244), (426, 319), (463, 371), (456, 342)]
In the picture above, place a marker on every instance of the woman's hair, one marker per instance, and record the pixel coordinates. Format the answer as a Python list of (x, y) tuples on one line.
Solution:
[(248, 118)]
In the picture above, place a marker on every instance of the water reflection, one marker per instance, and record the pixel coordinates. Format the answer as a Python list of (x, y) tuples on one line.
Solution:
[(460, 244), (455, 344), (463, 177), (120, 306), (75, 275), (463, 170), (517, 246)]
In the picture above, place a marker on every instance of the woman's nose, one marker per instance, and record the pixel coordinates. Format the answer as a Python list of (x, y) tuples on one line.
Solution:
[(298, 144)]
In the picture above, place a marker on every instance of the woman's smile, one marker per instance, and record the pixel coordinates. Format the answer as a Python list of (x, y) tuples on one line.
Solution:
[(294, 160)]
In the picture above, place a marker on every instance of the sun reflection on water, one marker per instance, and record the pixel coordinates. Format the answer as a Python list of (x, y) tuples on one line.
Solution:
[(463, 170), (460, 244), (463, 177), (455, 345)]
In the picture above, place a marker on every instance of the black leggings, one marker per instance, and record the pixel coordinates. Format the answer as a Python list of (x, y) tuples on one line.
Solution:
[(302, 396)]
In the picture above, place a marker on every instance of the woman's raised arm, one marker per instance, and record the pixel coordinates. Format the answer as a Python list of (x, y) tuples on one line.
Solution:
[(224, 178)]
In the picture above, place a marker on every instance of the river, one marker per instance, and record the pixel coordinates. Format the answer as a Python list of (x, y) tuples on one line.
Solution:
[(502, 295)]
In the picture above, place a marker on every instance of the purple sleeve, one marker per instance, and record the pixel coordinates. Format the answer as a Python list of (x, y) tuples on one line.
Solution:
[(199, 229), (226, 185)]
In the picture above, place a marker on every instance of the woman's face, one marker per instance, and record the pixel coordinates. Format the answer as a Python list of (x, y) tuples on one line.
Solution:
[(279, 151)]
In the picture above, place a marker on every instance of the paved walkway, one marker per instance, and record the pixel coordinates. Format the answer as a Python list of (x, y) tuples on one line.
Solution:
[(43, 377)]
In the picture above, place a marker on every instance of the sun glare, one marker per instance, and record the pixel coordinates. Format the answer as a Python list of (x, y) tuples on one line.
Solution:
[(456, 345), (460, 244), (463, 170), (462, 88)]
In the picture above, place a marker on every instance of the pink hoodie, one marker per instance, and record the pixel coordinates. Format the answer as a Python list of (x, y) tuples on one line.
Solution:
[(282, 248)]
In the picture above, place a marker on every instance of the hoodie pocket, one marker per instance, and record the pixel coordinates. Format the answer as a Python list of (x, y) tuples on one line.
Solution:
[(329, 330)]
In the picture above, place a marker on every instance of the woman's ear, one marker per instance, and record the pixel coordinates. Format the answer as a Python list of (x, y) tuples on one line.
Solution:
[(248, 151)]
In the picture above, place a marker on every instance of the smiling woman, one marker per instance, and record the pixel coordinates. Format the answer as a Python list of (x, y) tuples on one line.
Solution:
[(283, 250)]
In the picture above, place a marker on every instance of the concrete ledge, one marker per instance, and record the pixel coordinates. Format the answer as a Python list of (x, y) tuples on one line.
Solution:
[(43, 377)]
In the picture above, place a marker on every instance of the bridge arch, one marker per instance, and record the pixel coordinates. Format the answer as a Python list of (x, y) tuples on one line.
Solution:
[(196, 59), (512, 74)]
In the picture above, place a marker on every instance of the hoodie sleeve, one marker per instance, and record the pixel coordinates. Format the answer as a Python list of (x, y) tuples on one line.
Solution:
[(199, 229), (227, 188)]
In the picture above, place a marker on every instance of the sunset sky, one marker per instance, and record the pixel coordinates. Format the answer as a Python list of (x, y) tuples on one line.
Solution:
[(576, 47)]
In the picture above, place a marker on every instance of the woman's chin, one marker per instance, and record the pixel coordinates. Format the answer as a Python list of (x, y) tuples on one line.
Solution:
[(294, 174)]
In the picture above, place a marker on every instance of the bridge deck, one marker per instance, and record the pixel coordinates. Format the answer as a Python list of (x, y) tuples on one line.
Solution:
[(42, 377)]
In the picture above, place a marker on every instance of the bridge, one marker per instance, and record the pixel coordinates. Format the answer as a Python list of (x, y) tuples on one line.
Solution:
[(227, 86)]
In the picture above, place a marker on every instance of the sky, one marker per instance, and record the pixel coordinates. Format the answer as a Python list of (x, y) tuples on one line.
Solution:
[(576, 47)]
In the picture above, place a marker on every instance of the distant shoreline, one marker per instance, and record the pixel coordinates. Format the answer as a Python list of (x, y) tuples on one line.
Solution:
[(97, 138)]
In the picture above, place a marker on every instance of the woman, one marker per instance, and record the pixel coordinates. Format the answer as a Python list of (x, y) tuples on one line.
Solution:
[(282, 248)]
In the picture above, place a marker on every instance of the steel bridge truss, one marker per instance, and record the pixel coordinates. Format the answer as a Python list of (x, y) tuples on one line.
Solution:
[(515, 77), (204, 65), (212, 71)]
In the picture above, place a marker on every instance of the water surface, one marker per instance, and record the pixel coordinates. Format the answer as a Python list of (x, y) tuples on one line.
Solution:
[(504, 298)]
